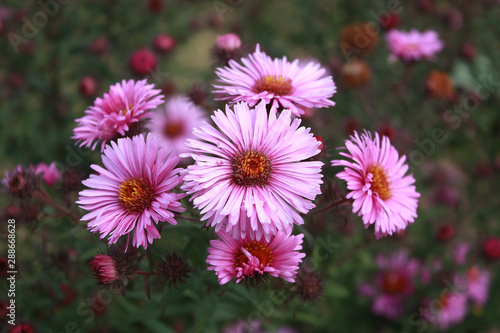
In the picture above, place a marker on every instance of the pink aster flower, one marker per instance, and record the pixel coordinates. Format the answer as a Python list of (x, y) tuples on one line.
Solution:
[(450, 309), (132, 190), (393, 284), (174, 122), (278, 82), (414, 45), (50, 173), (117, 114), (478, 285), (382, 194), (250, 174), (247, 258)]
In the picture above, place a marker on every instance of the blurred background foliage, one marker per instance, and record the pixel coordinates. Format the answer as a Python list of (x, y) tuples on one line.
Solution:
[(41, 94)]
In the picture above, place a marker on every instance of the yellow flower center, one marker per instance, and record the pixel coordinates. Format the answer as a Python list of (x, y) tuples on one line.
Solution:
[(275, 84), (135, 195), (257, 249), (125, 109), (251, 168), (380, 185)]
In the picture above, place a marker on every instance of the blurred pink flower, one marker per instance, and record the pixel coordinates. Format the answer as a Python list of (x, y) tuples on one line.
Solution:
[(478, 285), (460, 253), (278, 82), (414, 45), (174, 122), (245, 326), (50, 173), (247, 258), (450, 309), (132, 191), (382, 194), (251, 175), (112, 116), (228, 42), (393, 284), (143, 62)]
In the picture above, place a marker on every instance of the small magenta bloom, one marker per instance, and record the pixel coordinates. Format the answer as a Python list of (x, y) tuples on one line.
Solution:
[(174, 122), (50, 173), (393, 284), (143, 61), (247, 258), (133, 190), (117, 114), (228, 42), (382, 194), (251, 174), (478, 285), (450, 309), (105, 268), (278, 82), (414, 45)]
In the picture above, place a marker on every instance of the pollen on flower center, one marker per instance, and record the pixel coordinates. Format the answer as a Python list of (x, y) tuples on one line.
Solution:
[(394, 283), (135, 194), (379, 184), (173, 129), (251, 168), (124, 111), (257, 249), (275, 84)]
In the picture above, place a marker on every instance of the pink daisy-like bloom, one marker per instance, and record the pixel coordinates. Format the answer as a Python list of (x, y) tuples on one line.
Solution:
[(247, 258), (250, 174), (414, 45), (382, 194), (278, 82), (478, 285), (132, 190), (117, 114), (393, 284), (50, 173), (448, 310), (173, 123)]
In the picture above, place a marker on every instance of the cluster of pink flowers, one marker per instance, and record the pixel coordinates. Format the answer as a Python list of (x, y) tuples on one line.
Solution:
[(253, 173)]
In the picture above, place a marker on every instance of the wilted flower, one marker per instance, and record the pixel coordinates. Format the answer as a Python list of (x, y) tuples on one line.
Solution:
[(173, 268), (439, 85), (355, 73)]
